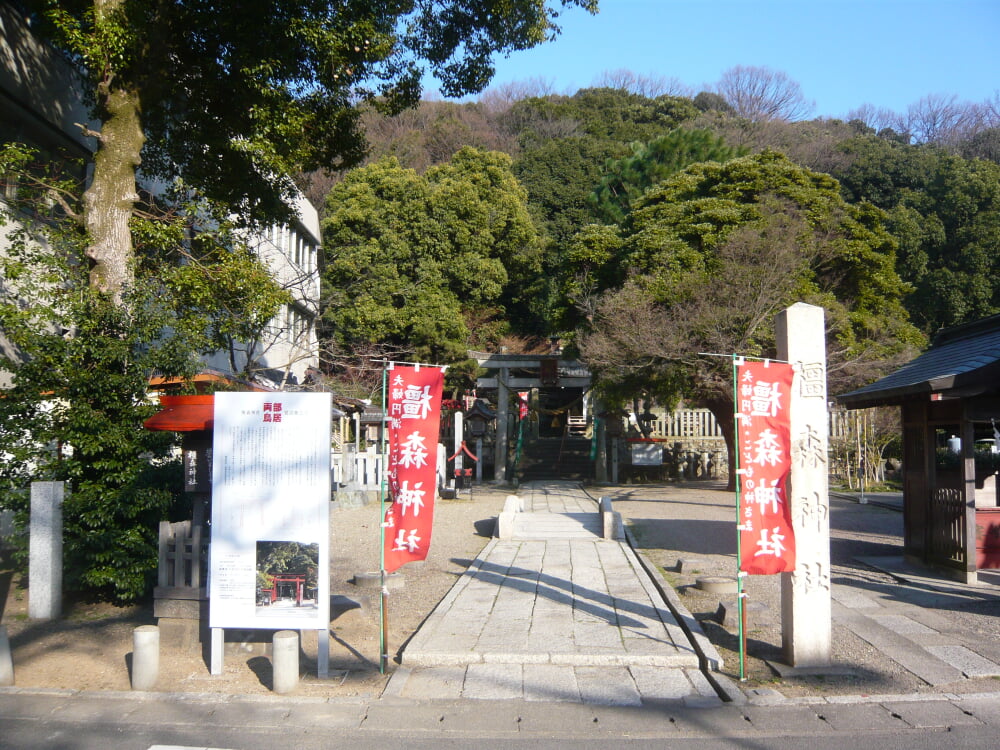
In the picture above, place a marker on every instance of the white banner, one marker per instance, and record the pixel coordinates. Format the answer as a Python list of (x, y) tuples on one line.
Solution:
[(270, 551)]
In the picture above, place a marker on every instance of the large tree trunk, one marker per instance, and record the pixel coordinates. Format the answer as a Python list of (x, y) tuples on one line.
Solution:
[(111, 197), (724, 410)]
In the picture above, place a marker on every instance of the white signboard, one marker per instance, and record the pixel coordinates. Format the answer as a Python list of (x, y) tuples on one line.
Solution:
[(270, 552), (647, 454)]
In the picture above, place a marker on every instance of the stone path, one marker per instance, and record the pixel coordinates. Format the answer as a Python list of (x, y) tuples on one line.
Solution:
[(554, 613)]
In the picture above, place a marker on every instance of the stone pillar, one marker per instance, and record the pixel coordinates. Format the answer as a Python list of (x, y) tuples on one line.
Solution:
[(45, 551), (503, 412), (806, 614), (145, 657), (601, 458)]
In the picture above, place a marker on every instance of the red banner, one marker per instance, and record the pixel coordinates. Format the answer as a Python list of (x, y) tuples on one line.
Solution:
[(414, 411), (767, 539)]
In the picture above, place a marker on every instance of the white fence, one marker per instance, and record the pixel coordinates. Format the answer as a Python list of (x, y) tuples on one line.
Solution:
[(698, 424), (356, 469)]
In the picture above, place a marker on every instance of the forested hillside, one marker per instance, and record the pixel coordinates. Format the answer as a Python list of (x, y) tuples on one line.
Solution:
[(642, 226)]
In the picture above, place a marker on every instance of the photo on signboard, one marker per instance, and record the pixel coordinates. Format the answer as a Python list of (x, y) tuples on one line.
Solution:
[(287, 578)]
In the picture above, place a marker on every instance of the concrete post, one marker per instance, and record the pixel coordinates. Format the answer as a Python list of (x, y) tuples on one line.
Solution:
[(806, 613), (285, 660), (217, 651), (6, 661), (323, 653), (145, 657), (45, 551)]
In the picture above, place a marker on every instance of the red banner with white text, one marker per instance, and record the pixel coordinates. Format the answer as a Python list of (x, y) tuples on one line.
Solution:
[(767, 538), (414, 412)]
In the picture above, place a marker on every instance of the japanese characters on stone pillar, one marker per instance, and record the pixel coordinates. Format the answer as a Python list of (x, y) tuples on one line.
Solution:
[(805, 592)]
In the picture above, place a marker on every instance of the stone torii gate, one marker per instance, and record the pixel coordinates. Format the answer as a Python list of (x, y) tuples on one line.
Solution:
[(518, 372)]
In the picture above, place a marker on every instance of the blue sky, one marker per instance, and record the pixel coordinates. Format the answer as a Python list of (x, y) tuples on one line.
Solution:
[(843, 53)]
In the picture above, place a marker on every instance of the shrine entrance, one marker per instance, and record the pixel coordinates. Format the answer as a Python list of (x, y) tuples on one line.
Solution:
[(544, 416)]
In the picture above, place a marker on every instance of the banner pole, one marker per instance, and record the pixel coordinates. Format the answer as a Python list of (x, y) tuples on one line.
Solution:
[(741, 613), (383, 604)]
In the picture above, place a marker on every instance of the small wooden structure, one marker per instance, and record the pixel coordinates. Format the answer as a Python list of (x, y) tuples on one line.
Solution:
[(950, 401), (180, 592)]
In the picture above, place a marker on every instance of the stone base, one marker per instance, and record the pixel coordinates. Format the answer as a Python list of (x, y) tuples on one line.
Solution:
[(354, 498), (785, 671), (180, 602), (717, 584), (182, 634), (758, 613)]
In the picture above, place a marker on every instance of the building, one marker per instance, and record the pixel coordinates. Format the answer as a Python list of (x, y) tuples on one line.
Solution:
[(950, 402)]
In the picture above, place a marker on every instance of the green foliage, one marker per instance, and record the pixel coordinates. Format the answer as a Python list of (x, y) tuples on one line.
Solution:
[(409, 254), (78, 364), (709, 256), (235, 101), (945, 212), (565, 142), (79, 367), (559, 176), (287, 558), (603, 113), (626, 179)]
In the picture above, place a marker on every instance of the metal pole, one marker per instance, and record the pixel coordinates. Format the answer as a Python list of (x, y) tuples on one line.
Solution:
[(383, 604), (741, 608)]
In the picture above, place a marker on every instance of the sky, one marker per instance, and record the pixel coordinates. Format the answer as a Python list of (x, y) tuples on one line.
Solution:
[(843, 53)]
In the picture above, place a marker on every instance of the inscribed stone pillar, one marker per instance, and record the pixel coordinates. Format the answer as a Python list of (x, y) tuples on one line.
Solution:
[(45, 551), (601, 459), (805, 593), (500, 444)]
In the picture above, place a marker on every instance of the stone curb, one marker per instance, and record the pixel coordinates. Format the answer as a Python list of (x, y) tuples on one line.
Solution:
[(708, 656)]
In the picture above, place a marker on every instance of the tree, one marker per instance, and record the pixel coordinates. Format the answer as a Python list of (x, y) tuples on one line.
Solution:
[(78, 363), (945, 212), (758, 93), (626, 179), (604, 113), (407, 255), (710, 255), (645, 85), (236, 101)]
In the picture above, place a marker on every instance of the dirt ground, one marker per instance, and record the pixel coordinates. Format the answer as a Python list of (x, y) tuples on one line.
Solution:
[(695, 523), (90, 647)]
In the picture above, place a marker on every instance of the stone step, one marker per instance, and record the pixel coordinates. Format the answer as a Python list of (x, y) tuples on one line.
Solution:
[(544, 526)]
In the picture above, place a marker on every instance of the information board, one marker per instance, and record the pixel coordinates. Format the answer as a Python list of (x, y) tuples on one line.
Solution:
[(270, 551)]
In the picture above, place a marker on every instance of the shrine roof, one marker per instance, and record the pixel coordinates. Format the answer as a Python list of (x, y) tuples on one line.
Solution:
[(962, 361)]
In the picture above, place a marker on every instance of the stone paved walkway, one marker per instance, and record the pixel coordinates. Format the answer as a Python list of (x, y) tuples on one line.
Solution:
[(554, 613)]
